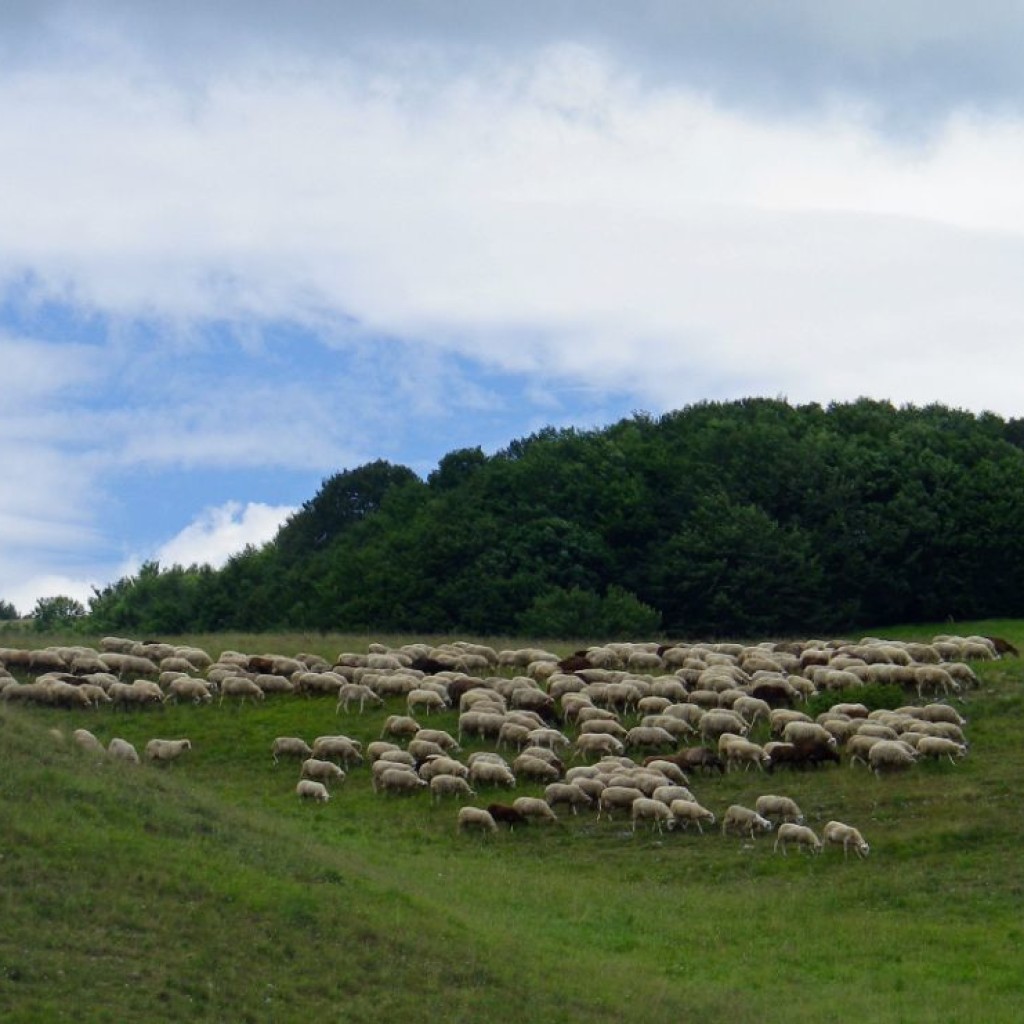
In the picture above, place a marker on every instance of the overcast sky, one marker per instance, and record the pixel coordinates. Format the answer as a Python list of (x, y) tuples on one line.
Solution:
[(246, 245)]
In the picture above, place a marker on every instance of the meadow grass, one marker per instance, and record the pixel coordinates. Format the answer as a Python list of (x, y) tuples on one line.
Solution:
[(207, 891)]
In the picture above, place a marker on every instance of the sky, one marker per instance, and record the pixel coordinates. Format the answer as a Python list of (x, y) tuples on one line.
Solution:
[(247, 245)]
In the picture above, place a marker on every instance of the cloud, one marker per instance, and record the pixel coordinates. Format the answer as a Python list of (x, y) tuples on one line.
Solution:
[(217, 533)]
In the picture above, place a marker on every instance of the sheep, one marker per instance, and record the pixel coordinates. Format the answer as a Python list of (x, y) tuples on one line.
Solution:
[(794, 732), (239, 686), (480, 723), (687, 811), (290, 746), (669, 769), (425, 700), (614, 798), (187, 688), (598, 744), (839, 834), (506, 814), (350, 692), (122, 750), (649, 736), (399, 726), (442, 766), (603, 726), (166, 750), (939, 747), (87, 741), (890, 756), (487, 773), (307, 789), (533, 808), (341, 748), (742, 752), (718, 721), (655, 811), (792, 832), (450, 785), (569, 793), (323, 771), (666, 794), (745, 820), (400, 780), (779, 807), (475, 818)]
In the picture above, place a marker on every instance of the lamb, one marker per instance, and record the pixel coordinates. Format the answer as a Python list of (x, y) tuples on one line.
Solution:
[(167, 750), (839, 834), (290, 746), (744, 820), (475, 818), (449, 785), (568, 793), (122, 750), (648, 809), (533, 808), (307, 789), (687, 811), (779, 807), (322, 771), (939, 747), (792, 832)]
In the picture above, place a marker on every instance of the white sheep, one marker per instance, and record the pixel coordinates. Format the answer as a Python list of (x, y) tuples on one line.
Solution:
[(400, 780), (187, 688), (939, 747), (87, 741), (322, 771), (534, 808), (840, 834), (425, 700), (290, 746), (891, 756), (350, 692), (441, 766), (240, 687), (689, 811), (307, 789), (569, 793), (122, 750), (489, 773), (804, 837), (614, 798), (647, 809), (744, 820), (475, 818), (338, 747), (781, 807), (450, 785), (167, 750)]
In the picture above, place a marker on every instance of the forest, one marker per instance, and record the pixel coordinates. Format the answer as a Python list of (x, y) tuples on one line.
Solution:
[(745, 518)]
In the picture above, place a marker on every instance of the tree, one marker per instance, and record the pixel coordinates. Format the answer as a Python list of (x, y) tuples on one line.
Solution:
[(52, 614), (8, 611)]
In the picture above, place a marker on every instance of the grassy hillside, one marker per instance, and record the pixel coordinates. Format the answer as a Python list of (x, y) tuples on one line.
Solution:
[(206, 891)]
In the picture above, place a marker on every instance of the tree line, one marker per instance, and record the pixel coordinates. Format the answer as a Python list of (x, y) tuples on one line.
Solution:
[(752, 518)]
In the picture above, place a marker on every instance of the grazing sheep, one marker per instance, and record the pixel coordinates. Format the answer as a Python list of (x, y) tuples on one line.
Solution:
[(506, 814), (597, 744), (739, 751), (240, 687), (666, 794), (488, 773), (399, 726), (350, 692), (669, 769), (341, 748), (568, 793), (307, 789), (536, 769), (290, 746), (939, 746), (647, 809), (400, 780), (689, 811), (791, 832), (187, 688), (450, 785), (891, 756), (322, 771), (745, 821), (839, 834), (442, 766), (88, 742), (475, 818), (614, 798), (122, 750), (647, 737), (425, 700), (533, 808), (779, 807), (166, 750)]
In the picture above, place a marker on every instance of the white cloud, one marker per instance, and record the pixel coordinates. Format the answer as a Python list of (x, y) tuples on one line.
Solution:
[(217, 533)]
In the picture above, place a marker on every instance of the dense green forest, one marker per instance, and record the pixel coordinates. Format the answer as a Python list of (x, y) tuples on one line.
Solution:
[(752, 517)]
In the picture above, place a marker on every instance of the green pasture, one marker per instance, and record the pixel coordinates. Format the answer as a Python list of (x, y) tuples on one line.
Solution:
[(206, 891)]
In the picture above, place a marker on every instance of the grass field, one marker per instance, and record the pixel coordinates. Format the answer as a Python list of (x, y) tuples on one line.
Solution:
[(206, 891)]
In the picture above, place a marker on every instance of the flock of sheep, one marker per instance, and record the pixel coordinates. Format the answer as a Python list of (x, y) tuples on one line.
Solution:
[(617, 729)]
